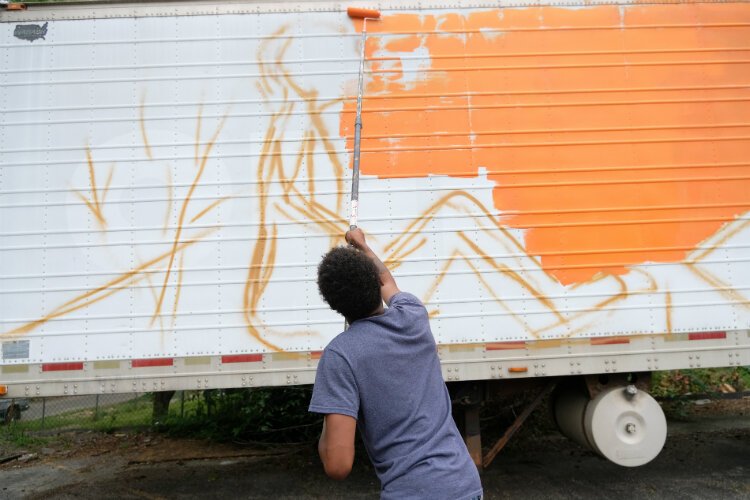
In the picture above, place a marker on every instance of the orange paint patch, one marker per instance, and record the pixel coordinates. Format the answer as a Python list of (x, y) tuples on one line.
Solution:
[(615, 135)]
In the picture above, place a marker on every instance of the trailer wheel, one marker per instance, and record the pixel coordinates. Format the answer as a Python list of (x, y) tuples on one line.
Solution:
[(622, 424)]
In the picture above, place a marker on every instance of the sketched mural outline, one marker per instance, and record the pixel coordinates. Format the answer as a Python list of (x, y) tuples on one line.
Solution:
[(498, 260)]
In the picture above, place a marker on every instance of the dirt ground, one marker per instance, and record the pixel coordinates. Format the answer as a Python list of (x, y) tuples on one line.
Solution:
[(707, 455)]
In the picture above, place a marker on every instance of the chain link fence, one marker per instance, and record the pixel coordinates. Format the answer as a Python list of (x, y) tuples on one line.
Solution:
[(98, 412)]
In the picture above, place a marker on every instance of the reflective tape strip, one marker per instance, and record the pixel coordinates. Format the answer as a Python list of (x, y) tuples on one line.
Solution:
[(15, 369), (504, 346), (462, 347), (106, 365), (609, 340), (676, 337), (544, 344), (707, 335), (242, 358), (62, 367), (673, 337), (316, 354), (147, 363), (288, 356), (197, 360)]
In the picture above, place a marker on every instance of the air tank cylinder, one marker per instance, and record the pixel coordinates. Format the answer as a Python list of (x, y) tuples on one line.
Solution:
[(623, 424)]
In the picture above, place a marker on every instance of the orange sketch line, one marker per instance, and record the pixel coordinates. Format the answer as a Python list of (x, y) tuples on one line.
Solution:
[(252, 293), (288, 183), (142, 121), (513, 275), (311, 212), (519, 319), (586, 326), (721, 287), (729, 232), (183, 212), (271, 165), (443, 272), (210, 207), (95, 207), (411, 232), (322, 132), (268, 268), (396, 259), (322, 210), (499, 237), (286, 214), (101, 292), (596, 307), (151, 287), (311, 173), (91, 207), (180, 272), (261, 180), (108, 183), (252, 289), (338, 169)]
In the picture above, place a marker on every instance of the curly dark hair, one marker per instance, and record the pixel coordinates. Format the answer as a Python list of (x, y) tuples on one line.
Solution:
[(349, 282)]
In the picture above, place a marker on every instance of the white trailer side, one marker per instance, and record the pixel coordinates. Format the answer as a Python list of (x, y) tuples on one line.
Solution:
[(172, 171)]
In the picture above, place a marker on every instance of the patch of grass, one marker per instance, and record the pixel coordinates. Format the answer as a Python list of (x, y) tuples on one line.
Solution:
[(269, 414), (700, 381), (133, 413), (14, 437)]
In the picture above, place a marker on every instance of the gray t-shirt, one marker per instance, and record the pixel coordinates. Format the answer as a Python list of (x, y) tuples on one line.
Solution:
[(384, 371)]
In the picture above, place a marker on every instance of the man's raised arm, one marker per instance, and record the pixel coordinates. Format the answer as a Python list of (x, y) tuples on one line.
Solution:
[(388, 287)]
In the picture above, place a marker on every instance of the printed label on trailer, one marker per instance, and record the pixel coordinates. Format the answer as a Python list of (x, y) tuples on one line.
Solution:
[(16, 349)]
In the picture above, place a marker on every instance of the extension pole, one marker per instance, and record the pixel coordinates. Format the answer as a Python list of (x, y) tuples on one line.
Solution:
[(364, 14)]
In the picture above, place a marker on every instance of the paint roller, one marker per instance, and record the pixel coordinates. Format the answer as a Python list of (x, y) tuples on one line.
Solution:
[(365, 15)]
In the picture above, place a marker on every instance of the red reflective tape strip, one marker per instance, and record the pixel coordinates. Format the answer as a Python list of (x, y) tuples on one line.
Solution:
[(707, 335), (61, 367), (145, 363), (316, 354), (503, 346), (610, 340), (242, 358)]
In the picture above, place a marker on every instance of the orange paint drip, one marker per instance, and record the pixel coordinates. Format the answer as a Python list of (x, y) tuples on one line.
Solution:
[(572, 112)]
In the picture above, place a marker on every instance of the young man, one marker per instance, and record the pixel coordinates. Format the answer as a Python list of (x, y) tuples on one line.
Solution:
[(383, 375)]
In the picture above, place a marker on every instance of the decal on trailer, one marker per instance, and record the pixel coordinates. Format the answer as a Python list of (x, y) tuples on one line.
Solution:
[(30, 32)]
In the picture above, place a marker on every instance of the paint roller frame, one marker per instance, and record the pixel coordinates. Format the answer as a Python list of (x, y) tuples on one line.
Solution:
[(365, 15)]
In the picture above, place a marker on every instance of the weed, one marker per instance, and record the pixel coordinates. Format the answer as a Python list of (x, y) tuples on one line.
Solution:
[(13, 436), (700, 381), (270, 414)]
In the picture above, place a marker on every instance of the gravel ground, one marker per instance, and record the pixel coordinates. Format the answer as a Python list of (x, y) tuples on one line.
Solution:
[(707, 455)]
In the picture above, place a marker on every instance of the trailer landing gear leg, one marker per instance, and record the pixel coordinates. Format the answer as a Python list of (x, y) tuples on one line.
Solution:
[(472, 435), (510, 431)]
